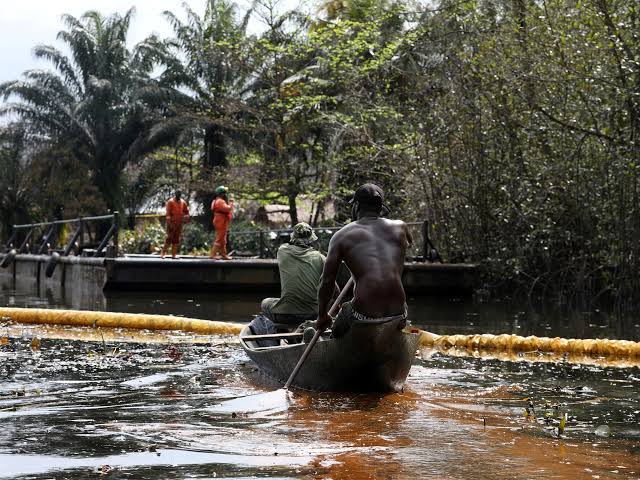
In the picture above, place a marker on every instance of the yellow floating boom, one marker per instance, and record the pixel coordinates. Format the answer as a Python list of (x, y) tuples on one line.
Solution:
[(118, 320), (485, 342), (516, 343), (534, 357)]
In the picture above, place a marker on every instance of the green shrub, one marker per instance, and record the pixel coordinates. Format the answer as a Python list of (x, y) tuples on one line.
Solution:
[(147, 238), (195, 239)]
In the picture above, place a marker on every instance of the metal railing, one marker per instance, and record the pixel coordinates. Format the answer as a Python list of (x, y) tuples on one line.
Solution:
[(265, 243), (40, 238)]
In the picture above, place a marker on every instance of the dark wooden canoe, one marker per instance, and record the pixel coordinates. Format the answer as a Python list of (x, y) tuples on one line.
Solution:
[(369, 358)]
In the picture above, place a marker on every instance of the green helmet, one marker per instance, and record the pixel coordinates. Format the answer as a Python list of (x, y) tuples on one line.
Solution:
[(221, 189)]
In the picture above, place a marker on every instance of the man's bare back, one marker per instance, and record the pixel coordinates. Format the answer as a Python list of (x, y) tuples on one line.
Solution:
[(374, 250)]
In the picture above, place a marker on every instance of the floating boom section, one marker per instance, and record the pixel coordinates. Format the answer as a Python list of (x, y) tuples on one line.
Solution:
[(516, 343), (534, 357), (118, 320), (472, 343)]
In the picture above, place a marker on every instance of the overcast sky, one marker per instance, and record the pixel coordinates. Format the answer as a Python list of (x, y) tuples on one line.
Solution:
[(26, 23)]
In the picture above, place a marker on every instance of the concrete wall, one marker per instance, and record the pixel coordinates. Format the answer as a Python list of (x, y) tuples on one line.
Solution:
[(198, 274), (79, 278), (77, 281)]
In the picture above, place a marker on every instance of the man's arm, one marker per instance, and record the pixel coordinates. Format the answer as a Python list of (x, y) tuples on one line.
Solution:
[(185, 211), (328, 284), (223, 207), (408, 234)]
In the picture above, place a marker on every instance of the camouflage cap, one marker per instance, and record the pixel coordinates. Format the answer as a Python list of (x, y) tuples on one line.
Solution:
[(303, 233), (221, 189)]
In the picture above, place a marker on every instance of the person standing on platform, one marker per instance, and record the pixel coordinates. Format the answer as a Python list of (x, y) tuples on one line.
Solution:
[(222, 215), (177, 212)]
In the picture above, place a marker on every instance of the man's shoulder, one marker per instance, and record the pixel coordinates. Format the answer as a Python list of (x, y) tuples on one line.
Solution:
[(395, 223), (287, 248)]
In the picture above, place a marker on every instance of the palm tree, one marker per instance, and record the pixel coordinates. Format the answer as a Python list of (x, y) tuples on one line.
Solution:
[(97, 100), (15, 193), (207, 65)]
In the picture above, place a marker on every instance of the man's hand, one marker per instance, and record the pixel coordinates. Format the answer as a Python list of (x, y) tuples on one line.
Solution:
[(324, 321)]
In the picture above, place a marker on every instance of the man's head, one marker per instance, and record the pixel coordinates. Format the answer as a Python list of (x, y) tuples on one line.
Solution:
[(303, 235), (178, 194), (368, 198), (221, 191)]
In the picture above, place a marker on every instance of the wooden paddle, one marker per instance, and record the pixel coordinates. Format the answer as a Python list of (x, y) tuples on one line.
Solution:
[(315, 338), (277, 401)]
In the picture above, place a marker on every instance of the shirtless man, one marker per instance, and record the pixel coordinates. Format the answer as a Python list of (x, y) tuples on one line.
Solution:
[(374, 250)]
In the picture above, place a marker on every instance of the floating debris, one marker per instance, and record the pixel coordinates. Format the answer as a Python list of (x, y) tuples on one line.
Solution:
[(603, 431)]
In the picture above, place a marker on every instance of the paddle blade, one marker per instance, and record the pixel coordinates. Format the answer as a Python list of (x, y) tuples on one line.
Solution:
[(270, 402)]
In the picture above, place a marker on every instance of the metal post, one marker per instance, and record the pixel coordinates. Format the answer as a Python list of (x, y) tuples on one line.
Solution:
[(105, 240), (116, 224), (7, 245), (68, 248), (261, 245), (46, 239), (26, 240), (81, 229)]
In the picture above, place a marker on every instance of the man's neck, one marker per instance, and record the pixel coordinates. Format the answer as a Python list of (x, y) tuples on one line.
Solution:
[(368, 215)]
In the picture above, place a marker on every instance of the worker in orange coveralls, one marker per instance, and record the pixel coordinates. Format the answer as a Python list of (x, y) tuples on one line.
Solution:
[(222, 215), (177, 214)]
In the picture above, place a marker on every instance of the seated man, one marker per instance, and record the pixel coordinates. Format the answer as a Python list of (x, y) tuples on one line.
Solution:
[(300, 269), (374, 250)]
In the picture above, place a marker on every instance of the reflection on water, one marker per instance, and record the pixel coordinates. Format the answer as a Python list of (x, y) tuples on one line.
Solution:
[(156, 405), (72, 408), (441, 315)]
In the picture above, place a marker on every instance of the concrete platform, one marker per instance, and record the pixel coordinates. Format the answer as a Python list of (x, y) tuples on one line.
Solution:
[(150, 272)]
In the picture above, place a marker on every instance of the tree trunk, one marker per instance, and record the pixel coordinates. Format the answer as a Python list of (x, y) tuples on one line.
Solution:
[(215, 151), (108, 180), (215, 156), (293, 209)]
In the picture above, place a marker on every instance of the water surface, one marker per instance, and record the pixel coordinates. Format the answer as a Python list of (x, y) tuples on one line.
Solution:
[(145, 407), (76, 403)]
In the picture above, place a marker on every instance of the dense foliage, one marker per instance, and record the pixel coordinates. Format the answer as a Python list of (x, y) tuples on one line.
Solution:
[(511, 125)]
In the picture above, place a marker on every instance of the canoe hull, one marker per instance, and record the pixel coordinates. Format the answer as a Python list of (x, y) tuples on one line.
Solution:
[(367, 359)]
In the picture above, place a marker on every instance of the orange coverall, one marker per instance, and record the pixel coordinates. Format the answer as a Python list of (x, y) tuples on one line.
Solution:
[(177, 212), (222, 215)]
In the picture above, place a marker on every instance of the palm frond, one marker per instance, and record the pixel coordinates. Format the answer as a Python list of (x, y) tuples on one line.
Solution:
[(61, 63)]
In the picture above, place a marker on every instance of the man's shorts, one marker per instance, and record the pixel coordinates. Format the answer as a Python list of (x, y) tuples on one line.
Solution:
[(347, 316), (266, 307)]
